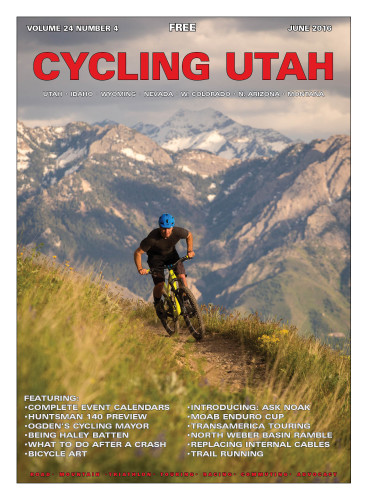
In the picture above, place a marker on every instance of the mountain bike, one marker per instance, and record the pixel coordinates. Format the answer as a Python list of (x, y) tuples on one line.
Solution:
[(179, 301)]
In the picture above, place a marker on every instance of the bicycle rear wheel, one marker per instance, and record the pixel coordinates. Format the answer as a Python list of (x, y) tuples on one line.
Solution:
[(169, 317), (191, 313)]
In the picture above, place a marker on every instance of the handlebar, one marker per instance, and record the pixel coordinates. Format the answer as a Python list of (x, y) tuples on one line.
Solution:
[(182, 259), (171, 266)]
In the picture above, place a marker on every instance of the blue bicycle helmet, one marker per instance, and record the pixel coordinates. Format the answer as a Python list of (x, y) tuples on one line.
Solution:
[(166, 221)]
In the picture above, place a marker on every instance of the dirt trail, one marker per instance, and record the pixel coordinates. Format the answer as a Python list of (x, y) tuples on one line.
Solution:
[(228, 365), (224, 360)]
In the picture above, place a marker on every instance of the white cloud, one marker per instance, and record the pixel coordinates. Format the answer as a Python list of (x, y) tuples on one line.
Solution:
[(214, 36)]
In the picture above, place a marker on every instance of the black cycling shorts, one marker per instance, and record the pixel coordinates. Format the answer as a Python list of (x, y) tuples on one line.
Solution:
[(156, 263)]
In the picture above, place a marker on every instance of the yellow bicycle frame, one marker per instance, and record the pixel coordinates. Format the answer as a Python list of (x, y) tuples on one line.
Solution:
[(172, 283)]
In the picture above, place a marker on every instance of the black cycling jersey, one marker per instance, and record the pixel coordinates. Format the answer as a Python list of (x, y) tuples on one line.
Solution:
[(155, 244)]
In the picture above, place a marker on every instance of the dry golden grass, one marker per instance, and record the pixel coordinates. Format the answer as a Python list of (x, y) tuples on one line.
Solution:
[(76, 339)]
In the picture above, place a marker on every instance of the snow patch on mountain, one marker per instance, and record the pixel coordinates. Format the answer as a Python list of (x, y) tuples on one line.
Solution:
[(130, 153), (212, 131), (212, 142), (70, 155), (23, 159), (178, 144), (185, 168)]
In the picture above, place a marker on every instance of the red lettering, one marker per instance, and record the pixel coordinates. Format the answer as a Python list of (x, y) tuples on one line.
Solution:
[(37, 66), (296, 69), (266, 65), (313, 66), (144, 66), (231, 64), (122, 75), (93, 66), (202, 68), (160, 59), (74, 66), (290, 65)]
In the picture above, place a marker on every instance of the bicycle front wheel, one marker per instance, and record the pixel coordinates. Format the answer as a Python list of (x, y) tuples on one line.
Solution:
[(169, 316), (191, 313)]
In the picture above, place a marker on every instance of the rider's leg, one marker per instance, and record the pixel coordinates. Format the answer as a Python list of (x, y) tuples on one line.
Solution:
[(184, 296), (158, 279), (183, 278), (157, 291), (157, 294)]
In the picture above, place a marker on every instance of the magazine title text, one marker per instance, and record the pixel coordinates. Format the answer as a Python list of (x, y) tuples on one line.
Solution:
[(193, 66)]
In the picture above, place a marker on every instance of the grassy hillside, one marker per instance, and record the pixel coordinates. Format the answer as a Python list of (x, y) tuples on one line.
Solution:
[(75, 338), (307, 290)]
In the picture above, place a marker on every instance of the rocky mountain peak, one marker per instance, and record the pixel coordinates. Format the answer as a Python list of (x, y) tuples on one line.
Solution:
[(272, 233), (130, 143), (214, 132)]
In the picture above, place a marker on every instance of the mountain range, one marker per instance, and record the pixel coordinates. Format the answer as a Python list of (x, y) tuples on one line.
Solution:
[(271, 223), (210, 130)]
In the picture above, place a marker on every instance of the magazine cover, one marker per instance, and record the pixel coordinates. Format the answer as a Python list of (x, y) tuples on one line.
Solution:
[(183, 250)]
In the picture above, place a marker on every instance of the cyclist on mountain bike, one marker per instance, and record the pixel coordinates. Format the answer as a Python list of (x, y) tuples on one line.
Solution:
[(160, 248)]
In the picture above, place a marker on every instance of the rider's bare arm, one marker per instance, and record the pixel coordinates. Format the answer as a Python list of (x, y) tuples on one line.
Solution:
[(137, 258), (189, 242)]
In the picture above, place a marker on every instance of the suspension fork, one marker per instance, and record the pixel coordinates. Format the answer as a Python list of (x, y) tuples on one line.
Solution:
[(173, 283)]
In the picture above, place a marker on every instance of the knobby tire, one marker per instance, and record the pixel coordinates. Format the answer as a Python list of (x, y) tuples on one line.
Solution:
[(191, 313), (169, 320)]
